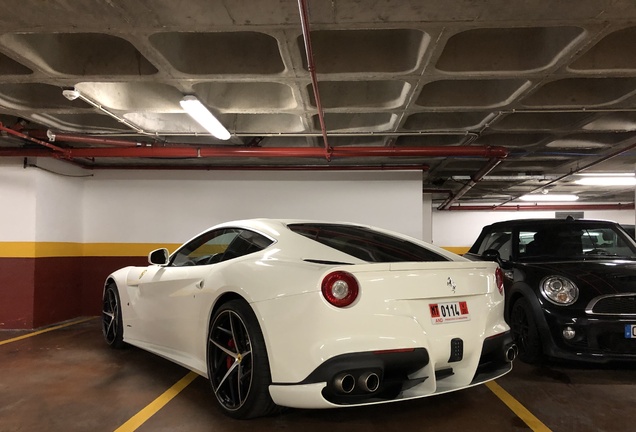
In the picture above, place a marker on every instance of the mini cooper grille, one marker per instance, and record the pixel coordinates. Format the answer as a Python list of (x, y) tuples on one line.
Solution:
[(614, 305)]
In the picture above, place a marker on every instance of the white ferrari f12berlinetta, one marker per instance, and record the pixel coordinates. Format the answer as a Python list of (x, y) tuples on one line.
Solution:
[(314, 315)]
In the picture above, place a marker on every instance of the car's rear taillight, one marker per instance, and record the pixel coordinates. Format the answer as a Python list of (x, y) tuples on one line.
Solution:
[(340, 288), (499, 279)]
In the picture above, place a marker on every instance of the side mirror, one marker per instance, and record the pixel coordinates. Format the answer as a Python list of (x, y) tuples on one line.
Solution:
[(493, 255), (159, 257)]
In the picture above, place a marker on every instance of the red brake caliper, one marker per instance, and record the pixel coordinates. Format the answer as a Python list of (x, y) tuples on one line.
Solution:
[(229, 360)]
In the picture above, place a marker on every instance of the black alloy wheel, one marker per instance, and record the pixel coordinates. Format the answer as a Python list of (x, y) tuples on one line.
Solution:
[(525, 332), (237, 362), (112, 325)]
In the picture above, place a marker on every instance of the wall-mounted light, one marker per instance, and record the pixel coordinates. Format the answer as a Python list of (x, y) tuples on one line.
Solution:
[(204, 117), (549, 197), (614, 179)]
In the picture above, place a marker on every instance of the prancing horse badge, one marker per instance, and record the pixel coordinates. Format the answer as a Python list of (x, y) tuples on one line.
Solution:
[(451, 284)]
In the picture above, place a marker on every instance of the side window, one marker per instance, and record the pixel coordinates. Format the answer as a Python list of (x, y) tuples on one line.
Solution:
[(220, 245), (530, 243), (205, 249), (245, 243), (501, 241)]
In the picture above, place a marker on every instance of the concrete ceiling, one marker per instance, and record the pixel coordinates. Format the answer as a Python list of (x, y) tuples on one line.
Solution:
[(554, 83)]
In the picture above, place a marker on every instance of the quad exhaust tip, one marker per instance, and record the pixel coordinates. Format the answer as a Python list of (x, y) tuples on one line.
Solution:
[(367, 382), (345, 383), (512, 352)]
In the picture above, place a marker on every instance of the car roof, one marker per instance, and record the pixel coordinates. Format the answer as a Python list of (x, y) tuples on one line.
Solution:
[(273, 227), (552, 222)]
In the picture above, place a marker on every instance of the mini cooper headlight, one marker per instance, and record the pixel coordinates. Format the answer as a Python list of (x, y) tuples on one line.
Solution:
[(559, 290)]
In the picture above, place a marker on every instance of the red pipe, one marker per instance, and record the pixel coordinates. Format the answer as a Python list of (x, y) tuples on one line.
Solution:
[(543, 207), (578, 170), (62, 152), (40, 134), (304, 23), (267, 152), (136, 149), (265, 167), (490, 165)]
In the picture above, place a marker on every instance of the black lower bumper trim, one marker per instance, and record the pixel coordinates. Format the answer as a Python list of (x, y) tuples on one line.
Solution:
[(391, 367)]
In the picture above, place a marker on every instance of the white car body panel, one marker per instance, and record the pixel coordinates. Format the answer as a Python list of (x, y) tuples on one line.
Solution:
[(167, 310)]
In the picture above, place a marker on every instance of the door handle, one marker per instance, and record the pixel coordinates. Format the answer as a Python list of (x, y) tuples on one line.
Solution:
[(199, 284)]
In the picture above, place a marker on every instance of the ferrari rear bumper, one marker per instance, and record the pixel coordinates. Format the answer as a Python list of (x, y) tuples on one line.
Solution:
[(390, 375)]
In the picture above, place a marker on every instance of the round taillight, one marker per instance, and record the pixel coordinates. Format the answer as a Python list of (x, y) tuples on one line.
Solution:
[(340, 288), (499, 279)]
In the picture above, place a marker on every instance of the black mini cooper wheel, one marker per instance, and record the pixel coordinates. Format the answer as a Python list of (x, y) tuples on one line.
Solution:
[(112, 326), (237, 362), (525, 332)]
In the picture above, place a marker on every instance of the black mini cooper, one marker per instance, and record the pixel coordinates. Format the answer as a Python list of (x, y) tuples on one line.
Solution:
[(570, 287)]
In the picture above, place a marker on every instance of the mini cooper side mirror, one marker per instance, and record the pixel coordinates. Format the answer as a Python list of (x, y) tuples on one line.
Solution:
[(493, 255), (159, 257)]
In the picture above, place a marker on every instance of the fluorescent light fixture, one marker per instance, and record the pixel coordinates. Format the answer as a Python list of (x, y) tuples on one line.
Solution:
[(623, 174), (549, 197), (197, 111), (607, 180)]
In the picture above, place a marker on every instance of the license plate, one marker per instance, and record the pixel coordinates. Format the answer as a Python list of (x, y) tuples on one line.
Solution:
[(630, 331), (442, 313)]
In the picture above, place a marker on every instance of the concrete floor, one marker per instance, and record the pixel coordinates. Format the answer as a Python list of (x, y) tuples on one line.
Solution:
[(69, 380)]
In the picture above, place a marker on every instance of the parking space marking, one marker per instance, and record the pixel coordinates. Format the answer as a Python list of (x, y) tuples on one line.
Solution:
[(153, 407), (35, 333), (522, 412)]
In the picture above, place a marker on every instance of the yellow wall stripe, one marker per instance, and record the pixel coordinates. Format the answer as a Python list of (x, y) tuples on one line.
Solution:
[(68, 249), (460, 250), (17, 249), (151, 409), (124, 249), (522, 412), (35, 333)]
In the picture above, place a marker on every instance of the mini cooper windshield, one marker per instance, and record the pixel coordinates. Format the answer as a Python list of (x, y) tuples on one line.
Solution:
[(575, 242), (558, 242)]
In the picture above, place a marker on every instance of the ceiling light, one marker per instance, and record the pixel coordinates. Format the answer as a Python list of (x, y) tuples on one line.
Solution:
[(549, 197), (198, 112), (607, 180)]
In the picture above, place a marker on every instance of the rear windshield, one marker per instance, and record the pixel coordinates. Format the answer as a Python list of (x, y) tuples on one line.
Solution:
[(365, 244)]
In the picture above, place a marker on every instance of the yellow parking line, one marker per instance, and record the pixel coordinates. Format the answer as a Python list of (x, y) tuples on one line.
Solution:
[(151, 409), (35, 333), (522, 412)]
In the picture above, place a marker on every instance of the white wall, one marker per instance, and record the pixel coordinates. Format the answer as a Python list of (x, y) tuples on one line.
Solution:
[(427, 218), (62, 203), (17, 201), (461, 228), (172, 206), (38, 205), (58, 201)]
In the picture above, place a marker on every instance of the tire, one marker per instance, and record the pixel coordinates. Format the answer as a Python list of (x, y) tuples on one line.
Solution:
[(238, 367), (112, 324), (525, 332)]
